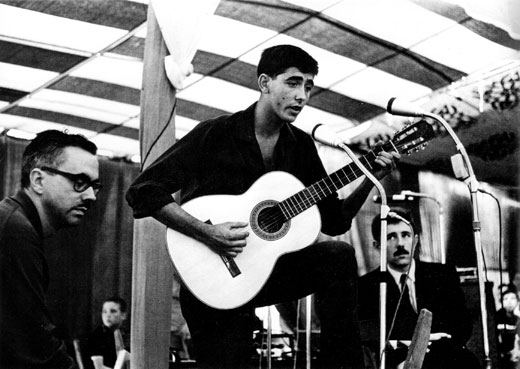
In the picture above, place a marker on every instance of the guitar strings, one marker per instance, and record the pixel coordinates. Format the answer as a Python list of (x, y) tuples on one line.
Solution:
[(274, 217), (305, 198)]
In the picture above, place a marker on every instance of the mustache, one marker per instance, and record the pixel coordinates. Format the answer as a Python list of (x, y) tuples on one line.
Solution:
[(401, 251)]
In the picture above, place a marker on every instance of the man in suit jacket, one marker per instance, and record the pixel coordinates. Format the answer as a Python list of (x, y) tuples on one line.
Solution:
[(431, 286), (59, 183)]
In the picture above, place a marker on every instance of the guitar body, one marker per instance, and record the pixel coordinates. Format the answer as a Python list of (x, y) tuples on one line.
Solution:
[(207, 275), (282, 216)]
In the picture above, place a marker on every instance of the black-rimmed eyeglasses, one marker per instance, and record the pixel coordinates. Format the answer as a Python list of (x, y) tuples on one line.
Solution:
[(81, 182)]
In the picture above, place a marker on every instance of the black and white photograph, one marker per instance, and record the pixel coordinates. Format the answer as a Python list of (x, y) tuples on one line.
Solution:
[(240, 184)]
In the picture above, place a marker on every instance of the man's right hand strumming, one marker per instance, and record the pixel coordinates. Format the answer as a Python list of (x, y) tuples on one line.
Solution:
[(228, 239)]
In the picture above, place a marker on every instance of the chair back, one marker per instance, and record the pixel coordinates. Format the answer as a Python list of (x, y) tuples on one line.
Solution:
[(77, 352)]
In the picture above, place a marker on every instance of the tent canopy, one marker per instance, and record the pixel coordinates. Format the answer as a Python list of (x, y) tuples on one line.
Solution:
[(77, 64)]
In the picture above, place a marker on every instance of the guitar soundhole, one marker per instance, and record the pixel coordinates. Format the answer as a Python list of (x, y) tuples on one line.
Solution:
[(268, 222)]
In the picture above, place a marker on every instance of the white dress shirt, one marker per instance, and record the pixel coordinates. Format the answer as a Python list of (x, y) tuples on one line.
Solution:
[(410, 282)]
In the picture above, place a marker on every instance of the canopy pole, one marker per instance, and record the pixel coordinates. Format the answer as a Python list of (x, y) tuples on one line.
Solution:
[(152, 279)]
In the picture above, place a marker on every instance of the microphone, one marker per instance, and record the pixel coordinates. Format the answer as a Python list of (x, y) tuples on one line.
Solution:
[(405, 195), (396, 197), (416, 194), (412, 194), (325, 135), (394, 215), (403, 108)]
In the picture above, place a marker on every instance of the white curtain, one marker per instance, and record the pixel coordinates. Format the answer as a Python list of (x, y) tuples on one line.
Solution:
[(182, 24), (501, 13)]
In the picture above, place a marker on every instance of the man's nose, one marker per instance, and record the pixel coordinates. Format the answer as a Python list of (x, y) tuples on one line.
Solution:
[(89, 194), (301, 94)]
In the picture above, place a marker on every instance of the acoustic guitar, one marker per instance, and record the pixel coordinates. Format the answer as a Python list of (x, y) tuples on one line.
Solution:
[(282, 217)]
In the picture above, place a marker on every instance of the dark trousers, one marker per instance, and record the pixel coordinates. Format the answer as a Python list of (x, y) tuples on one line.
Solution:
[(445, 354), (223, 338)]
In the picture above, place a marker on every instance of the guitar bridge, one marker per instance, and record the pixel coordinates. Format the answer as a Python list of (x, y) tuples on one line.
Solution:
[(228, 262), (231, 265)]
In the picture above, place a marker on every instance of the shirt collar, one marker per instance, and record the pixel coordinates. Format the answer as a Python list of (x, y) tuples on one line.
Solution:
[(245, 126), (397, 275), (30, 210)]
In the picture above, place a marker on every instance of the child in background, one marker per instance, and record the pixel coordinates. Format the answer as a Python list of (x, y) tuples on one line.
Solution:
[(507, 317), (106, 346)]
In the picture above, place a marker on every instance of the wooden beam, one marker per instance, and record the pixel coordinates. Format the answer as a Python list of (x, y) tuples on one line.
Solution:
[(152, 269)]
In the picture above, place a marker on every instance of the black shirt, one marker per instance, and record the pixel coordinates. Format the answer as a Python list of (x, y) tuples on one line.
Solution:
[(222, 156), (506, 326), (102, 343)]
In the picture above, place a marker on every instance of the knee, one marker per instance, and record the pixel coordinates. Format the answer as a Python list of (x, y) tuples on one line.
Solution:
[(343, 253), (343, 248)]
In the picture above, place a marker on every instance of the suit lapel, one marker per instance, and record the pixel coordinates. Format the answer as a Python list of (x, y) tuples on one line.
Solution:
[(393, 291), (423, 284)]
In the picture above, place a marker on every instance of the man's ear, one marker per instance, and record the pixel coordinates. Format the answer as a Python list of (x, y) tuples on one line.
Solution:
[(415, 239), (123, 316), (36, 180), (263, 83), (376, 245)]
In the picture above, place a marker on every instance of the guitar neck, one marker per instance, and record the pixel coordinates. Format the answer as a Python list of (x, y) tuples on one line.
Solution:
[(311, 195)]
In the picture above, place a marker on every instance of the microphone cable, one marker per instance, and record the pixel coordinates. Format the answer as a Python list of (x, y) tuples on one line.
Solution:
[(296, 349), (159, 135)]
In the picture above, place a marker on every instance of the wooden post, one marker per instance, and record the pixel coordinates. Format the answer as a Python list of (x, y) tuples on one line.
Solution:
[(420, 340), (152, 269)]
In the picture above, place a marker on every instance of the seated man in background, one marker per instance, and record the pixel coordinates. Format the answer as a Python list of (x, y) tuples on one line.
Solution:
[(106, 345), (431, 286)]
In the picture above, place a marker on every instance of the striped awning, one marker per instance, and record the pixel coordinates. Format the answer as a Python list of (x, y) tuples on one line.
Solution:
[(77, 64)]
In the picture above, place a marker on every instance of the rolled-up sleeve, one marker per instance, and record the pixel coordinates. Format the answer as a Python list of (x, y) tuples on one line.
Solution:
[(156, 195)]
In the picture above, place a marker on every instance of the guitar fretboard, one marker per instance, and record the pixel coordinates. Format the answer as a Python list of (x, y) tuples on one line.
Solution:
[(325, 187)]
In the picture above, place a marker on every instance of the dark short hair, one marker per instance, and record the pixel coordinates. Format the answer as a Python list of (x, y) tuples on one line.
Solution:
[(277, 59), (118, 300), (376, 222), (508, 288), (46, 149)]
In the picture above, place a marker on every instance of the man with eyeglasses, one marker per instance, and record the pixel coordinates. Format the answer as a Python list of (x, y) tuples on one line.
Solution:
[(59, 183)]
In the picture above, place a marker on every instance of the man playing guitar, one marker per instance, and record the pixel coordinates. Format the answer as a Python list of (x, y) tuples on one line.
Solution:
[(226, 155)]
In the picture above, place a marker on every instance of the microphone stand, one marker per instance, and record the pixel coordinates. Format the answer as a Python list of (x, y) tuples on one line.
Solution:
[(308, 331), (463, 170), (269, 337), (382, 285)]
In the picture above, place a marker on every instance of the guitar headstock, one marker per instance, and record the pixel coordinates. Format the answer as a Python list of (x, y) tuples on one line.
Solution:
[(413, 137)]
